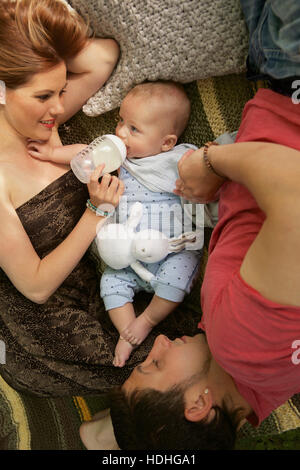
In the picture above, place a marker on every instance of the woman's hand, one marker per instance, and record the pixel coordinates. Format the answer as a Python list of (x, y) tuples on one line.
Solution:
[(106, 193), (196, 182)]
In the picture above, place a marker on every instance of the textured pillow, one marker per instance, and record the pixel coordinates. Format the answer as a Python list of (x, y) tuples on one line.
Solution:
[(180, 40)]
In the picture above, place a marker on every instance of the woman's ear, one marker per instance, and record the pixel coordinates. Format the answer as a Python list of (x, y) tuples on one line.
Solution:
[(198, 405), (169, 141)]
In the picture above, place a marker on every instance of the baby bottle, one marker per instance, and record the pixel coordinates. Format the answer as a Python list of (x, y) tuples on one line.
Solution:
[(108, 149)]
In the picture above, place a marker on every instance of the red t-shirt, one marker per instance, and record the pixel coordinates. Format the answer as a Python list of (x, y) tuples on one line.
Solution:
[(249, 336)]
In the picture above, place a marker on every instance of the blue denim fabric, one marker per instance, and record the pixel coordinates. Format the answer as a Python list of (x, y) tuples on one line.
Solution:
[(274, 31)]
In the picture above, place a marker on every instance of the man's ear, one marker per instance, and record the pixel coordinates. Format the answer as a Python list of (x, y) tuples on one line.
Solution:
[(169, 141), (198, 405)]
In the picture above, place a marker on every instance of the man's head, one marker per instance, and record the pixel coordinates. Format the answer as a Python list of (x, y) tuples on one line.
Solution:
[(152, 117), (167, 402), (172, 362)]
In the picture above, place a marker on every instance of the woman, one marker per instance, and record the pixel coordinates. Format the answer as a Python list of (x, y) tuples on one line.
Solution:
[(194, 392), (58, 338), (45, 226)]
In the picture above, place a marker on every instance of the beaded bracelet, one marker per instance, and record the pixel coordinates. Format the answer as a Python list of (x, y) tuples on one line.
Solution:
[(206, 159), (98, 211)]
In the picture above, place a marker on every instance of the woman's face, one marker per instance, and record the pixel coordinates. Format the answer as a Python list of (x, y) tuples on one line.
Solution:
[(32, 109), (171, 362)]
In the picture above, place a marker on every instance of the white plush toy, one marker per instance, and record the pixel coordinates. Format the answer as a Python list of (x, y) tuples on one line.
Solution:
[(120, 246)]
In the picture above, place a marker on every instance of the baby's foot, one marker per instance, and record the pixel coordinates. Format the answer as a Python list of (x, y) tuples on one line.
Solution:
[(122, 352), (138, 330)]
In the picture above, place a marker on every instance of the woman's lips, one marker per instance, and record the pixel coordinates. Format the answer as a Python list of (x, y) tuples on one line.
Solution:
[(48, 123)]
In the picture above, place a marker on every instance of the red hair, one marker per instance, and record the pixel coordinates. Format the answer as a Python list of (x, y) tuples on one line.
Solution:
[(36, 35)]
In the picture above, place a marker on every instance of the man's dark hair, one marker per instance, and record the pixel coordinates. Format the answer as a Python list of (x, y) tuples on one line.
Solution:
[(149, 419)]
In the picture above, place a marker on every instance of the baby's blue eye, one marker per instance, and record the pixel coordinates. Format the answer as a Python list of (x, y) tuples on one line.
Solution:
[(133, 129)]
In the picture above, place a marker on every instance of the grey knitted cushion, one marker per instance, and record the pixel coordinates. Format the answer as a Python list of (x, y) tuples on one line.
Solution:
[(181, 40)]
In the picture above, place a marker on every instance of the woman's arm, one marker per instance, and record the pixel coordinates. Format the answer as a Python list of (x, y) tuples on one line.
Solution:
[(38, 278), (87, 73)]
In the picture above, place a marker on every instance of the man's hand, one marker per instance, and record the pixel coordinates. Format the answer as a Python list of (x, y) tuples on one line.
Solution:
[(196, 182)]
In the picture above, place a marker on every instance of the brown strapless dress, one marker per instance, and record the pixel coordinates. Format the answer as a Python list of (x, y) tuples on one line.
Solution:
[(66, 346)]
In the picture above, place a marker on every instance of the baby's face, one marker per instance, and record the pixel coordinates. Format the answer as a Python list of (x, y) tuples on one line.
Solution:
[(140, 126)]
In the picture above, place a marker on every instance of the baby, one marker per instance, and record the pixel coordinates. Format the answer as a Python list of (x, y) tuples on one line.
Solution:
[(152, 117)]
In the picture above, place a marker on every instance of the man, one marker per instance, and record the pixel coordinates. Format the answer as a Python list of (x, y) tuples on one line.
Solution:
[(194, 393)]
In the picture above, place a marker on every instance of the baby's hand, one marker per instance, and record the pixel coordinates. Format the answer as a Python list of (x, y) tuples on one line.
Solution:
[(42, 150)]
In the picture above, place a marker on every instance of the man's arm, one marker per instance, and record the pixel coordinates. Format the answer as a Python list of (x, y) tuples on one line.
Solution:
[(271, 173)]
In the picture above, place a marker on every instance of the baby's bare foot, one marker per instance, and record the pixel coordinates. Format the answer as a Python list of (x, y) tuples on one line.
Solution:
[(122, 352), (138, 330)]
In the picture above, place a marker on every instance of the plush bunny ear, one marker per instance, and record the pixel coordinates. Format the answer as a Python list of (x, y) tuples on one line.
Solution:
[(2, 92), (135, 215), (186, 241)]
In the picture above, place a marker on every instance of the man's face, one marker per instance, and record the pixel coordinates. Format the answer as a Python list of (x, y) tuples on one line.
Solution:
[(170, 362)]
